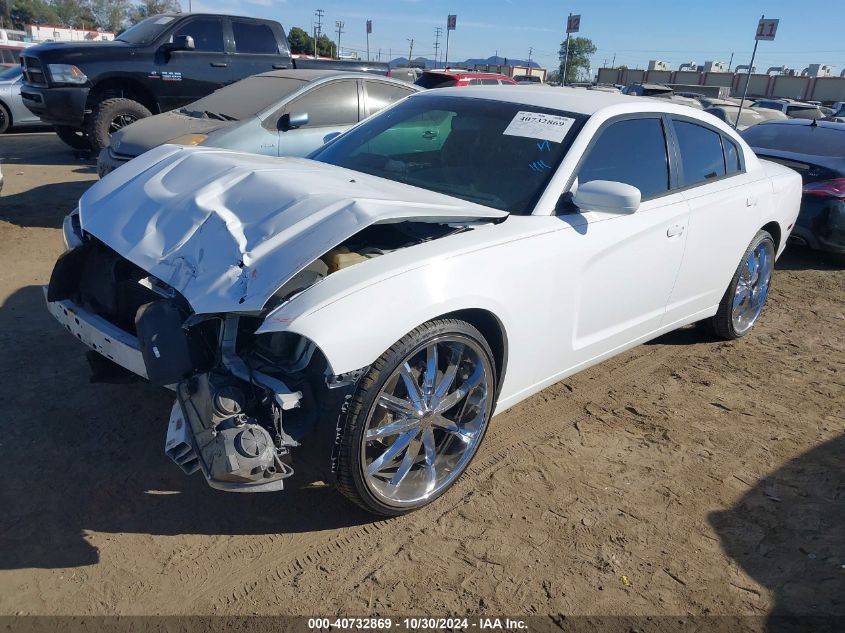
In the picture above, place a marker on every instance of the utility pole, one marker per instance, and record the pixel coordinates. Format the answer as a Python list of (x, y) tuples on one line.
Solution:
[(566, 56), (530, 52), (369, 30), (318, 28), (411, 51), (731, 63), (437, 32), (613, 63), (339, 26)]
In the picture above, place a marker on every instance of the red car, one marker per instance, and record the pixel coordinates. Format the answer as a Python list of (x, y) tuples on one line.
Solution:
[(450, 78)]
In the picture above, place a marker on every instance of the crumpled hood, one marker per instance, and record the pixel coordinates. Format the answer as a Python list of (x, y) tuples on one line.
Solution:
[(144, 134), (228, 229)]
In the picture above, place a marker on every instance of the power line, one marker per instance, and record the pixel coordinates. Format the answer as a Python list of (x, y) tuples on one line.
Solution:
[(318, 28)]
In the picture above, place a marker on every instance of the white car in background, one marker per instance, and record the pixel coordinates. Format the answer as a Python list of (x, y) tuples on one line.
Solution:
[(441, 261)]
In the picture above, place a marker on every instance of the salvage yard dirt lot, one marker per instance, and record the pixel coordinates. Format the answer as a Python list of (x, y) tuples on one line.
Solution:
[(687, 476)]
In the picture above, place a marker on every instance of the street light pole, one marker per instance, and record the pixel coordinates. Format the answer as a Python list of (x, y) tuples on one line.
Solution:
[(747, 79)]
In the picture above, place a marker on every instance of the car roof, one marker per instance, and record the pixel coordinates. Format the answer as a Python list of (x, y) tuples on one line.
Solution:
[(456, 72), (312, 74), (578, 100), (834, 125)]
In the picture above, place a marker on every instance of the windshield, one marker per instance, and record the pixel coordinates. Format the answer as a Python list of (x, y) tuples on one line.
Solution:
[(493, 153), (801, 139), (435, 80), (9, 74), (244, 99), (147, 30)]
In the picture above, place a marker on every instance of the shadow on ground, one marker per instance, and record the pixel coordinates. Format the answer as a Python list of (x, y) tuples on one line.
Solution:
[(80, 456), (788, 533)]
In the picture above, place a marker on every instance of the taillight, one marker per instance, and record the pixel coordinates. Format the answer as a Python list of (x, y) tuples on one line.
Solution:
[(828, 188)]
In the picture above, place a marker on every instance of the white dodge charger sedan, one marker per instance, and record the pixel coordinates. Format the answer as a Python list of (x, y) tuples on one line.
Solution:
[(372, 306)]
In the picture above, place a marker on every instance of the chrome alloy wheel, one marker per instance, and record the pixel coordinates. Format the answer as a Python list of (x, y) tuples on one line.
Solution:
[(752, 287), (427, 420)]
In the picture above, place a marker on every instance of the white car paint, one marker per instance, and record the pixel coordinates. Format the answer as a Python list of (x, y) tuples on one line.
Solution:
[(567, 290)]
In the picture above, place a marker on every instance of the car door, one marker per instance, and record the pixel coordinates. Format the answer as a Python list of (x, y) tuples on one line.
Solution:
[(332, 107), (191, 74), (618, 270), (723, 199), (256, 49), (380, 94)]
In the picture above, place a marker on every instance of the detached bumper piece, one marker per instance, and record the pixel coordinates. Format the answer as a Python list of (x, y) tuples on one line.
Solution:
[(209, 431)]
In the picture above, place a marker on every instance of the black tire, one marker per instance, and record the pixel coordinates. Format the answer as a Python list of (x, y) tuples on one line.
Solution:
[(722, 324), (74, 137), (5, 119), (109, 116), (350, 466)]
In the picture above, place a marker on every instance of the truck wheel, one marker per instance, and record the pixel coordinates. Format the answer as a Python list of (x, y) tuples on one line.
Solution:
[(111, 115), (417, 418), (5, 119), (74, 137)]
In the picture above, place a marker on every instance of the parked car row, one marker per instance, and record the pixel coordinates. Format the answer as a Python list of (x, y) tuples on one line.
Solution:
[(369, 303), (13, 113)]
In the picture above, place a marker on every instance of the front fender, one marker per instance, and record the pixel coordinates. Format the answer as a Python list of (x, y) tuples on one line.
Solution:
[(354, 330)]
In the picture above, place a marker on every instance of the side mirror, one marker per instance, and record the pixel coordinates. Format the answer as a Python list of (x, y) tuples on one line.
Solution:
[(607, 196), (182, 43), (330, 137), (292, 121)]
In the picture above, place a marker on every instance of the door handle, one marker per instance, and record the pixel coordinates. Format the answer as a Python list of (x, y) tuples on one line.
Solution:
[(219, 64), (674, 230), (280, 66), (751, 202)]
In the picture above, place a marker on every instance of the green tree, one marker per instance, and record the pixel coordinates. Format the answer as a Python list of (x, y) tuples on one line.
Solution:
[(110, 14), (300, 42), (325, 46), (147, 8), (580, 50), (74, 14), (23, 12)]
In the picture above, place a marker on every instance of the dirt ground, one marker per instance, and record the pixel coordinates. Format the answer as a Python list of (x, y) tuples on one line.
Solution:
[(687, 476)]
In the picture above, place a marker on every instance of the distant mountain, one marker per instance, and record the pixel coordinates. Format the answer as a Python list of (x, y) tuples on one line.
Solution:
[(424, 62)]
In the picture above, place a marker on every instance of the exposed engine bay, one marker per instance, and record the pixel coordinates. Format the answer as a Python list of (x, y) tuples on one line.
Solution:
[(245, 401)]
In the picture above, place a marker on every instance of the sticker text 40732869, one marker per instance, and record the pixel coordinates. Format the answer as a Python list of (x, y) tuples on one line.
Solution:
[(546, 127)]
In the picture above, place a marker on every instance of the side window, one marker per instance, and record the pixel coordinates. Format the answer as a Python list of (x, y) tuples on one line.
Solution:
[(701, 153), (380, 95), (335, 103), (207, 34), (489, 82), (7, 56), (474, 82), (633, 152), (731, 156), (254, 38)]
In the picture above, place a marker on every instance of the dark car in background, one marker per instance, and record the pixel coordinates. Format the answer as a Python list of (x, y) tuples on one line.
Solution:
[(816, 150), (89, 90)]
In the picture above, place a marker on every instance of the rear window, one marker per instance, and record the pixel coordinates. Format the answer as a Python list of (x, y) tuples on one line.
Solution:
[(801, 139), (254, 38), (245, 98), (432, 80), (702, 157)]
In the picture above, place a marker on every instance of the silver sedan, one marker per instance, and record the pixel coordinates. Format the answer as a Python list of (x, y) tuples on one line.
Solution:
[(12, 111), (279, 113)]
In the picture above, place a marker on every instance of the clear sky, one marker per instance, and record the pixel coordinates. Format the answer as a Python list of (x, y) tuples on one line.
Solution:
[(634, 30)]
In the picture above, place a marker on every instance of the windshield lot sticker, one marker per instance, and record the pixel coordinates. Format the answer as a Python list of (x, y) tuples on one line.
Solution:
[(545, 127)]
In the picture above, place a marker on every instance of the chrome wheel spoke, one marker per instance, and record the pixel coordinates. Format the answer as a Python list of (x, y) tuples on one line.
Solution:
[(396, 405), (407, 462), (386, 458), (412, 387), (461, 392), (430, 375), (448, 377), (430, 457), (393, 428)]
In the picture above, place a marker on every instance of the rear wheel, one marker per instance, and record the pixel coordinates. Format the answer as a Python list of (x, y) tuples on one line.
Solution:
[(417, 418), (5, 119), (74, 137), (111, 115), (746, 295)]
